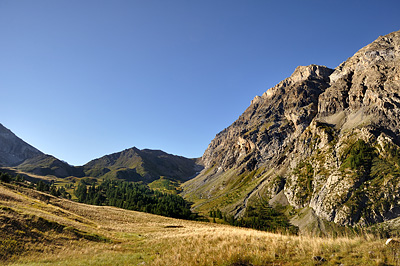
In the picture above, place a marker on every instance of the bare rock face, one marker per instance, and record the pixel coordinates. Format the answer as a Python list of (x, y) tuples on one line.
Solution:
[(322, 139), (259, 140), (366, 87), (14, 150), (271, 122)]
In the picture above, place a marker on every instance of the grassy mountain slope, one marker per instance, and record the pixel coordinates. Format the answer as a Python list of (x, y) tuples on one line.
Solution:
[(131, 164), (39, 229), (142, 165), (49, 165)]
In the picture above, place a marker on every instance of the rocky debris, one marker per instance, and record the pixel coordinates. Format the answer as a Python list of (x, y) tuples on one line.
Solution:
[(327, 138), (367, 85)]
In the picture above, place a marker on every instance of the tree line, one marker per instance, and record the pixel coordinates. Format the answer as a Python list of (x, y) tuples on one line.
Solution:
[(53, 190), (42, 186), (134, 196), (8, 178)]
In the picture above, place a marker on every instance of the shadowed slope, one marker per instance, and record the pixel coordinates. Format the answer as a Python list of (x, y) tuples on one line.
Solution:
[(14, 150), (142, 165)]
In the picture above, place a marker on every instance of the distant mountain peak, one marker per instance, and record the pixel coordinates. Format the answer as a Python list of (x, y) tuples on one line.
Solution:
[(145, 165), (14, 150)]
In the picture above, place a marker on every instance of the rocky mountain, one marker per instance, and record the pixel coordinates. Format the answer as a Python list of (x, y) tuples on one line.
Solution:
[(142, 165), (321, 140), (14, 150)]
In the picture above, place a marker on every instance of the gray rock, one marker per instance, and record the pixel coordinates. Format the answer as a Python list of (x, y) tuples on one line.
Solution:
[(296, 137), (14, 150)]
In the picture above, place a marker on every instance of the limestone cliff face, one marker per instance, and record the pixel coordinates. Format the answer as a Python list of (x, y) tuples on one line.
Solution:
[(322, 138), (366, 85), (362, 104), (271, 122)]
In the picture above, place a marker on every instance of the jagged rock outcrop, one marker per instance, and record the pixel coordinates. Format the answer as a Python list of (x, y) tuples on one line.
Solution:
[(271, 123), (322, 139), (366, 87)]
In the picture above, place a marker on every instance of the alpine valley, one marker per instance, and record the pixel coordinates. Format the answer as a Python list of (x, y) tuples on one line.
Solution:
[(322, 146)]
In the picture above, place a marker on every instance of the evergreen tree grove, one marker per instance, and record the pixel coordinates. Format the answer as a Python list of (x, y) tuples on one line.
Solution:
[(134, 196)]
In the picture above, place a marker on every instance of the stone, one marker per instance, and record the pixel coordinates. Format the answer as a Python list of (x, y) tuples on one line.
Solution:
[(319, 259), (300, 132)]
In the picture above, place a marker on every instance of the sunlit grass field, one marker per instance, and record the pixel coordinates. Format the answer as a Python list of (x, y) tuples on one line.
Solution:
[(94, 235)]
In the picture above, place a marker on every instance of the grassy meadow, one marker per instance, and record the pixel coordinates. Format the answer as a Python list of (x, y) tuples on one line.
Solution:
[(39, 229)]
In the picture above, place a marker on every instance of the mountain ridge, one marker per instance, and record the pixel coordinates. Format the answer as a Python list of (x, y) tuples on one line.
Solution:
[(130, 164), (146, 165), (14, 150), (321, 138)]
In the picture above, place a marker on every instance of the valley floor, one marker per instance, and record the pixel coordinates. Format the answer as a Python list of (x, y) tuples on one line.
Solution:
[(38, 229)]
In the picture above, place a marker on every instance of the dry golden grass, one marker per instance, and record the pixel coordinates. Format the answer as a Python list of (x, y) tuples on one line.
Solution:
[(144, 239)]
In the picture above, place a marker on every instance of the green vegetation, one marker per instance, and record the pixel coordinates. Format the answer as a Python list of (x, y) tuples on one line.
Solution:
[(85, 235), (40, 186), (52, 189), (330, 131), (7, 178), (126, 195), (165, 185), (216, 214), (134, 196), (260, 216), (375, 175), (45, 165), (136, 165), (230, 188), (358, 156), (305, 175)]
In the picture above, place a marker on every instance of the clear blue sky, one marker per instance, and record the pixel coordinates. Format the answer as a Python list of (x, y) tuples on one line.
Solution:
[(83, 78)]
